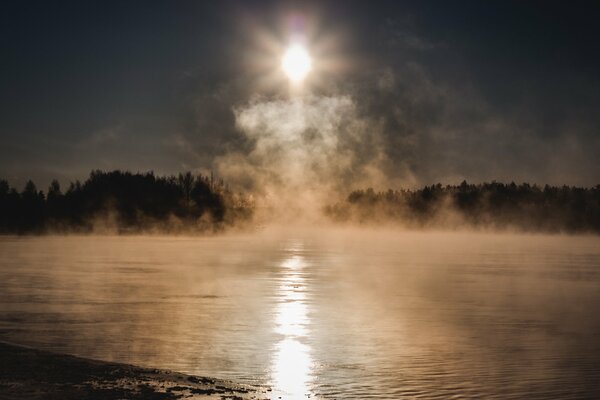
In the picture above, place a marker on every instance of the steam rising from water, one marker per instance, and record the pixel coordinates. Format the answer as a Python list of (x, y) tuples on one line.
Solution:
[(304, 150), (332, 313)]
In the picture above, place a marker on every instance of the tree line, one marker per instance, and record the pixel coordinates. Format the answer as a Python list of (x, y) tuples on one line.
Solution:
[(492, 205), (123, 201)]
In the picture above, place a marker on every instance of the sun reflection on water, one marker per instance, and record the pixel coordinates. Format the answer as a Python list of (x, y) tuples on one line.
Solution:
[(292, 362)]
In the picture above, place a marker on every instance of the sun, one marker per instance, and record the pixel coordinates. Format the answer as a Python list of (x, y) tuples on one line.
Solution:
[(296, 63)]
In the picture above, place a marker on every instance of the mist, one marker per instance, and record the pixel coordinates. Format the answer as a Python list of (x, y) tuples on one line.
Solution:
[(400, 129), (430, 100), (300, 199), (304, 150), (317, 310)]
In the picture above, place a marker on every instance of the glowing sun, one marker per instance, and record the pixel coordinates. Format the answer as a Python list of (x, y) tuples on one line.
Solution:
[(296, 63)]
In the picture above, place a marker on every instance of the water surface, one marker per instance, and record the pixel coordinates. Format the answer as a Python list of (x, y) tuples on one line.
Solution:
[(325, 314)]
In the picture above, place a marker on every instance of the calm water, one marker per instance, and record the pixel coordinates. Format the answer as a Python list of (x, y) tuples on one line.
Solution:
[(326, 314)]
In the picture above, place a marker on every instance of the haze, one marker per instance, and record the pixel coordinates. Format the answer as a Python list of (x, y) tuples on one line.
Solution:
[(301, 199), (433, 92)]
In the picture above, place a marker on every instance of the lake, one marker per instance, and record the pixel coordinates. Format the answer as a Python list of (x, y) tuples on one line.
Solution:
[(332, 314)]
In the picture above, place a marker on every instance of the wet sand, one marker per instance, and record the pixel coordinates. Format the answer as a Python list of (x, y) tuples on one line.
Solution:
[(27, 373)]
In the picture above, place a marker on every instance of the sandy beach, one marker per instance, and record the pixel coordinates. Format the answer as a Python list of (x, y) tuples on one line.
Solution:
[(27, 373)]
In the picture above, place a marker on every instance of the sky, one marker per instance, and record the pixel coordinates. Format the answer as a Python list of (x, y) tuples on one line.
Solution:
[(402, 94)]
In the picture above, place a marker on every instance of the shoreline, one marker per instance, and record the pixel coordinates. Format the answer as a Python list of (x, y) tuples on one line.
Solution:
[(27, 373)]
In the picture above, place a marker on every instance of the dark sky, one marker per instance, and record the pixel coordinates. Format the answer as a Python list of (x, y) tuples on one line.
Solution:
[(475, 90)]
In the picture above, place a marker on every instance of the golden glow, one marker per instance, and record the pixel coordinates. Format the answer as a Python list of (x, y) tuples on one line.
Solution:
[(299, 53), (292, 363), (291, 369), (296, 63)]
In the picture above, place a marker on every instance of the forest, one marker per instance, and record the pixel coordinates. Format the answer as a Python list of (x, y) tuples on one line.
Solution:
[(123, 202), (493, 205)]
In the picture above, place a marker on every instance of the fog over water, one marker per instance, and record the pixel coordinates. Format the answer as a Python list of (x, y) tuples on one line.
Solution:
[(303, 181), (330, 313)]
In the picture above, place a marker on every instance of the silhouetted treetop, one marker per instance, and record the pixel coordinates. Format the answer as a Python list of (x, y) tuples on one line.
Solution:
[(494, 205), (126, 201)]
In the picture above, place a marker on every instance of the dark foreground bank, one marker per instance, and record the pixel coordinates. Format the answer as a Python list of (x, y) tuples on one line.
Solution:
[(27, 373)]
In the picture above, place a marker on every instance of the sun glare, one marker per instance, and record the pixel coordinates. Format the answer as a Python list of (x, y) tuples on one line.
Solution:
[(296, 63), (292, 367)]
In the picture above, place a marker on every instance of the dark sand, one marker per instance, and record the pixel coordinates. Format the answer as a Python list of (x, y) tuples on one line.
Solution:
[(27, 373)]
